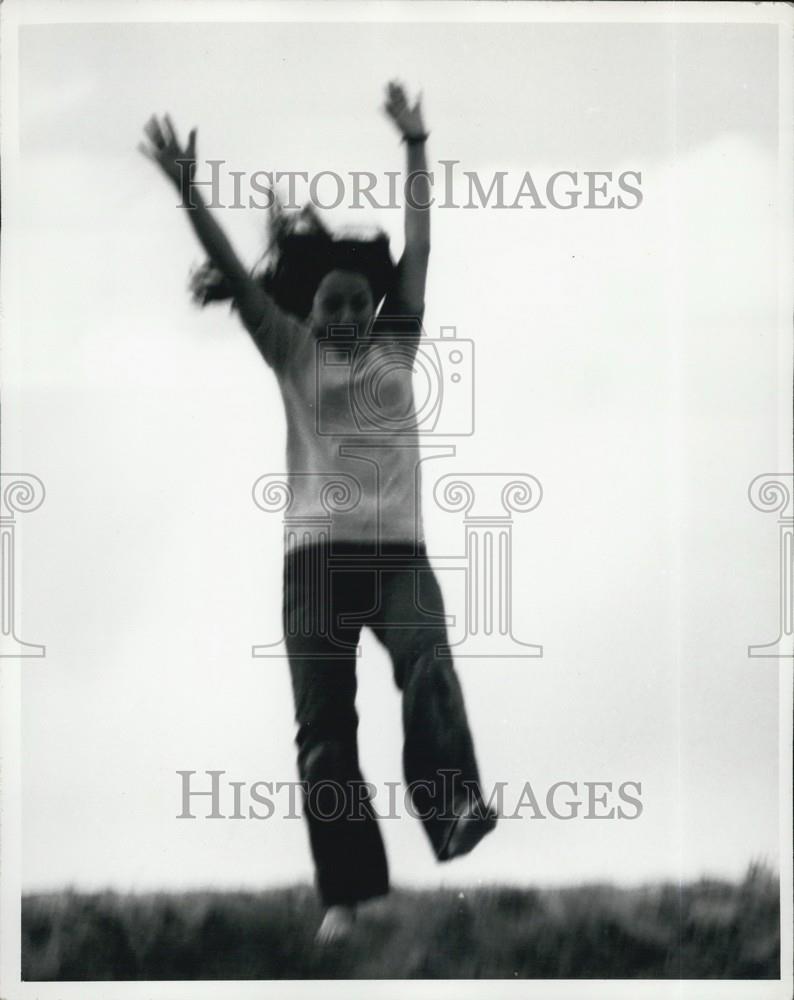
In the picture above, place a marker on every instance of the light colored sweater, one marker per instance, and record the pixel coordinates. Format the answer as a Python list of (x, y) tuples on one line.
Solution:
[(353, 456)]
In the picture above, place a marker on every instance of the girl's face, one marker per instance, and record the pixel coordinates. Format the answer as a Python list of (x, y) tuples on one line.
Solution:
[(343, 298)]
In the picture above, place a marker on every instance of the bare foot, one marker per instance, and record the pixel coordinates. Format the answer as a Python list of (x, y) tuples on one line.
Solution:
[(337, 924), (469, 829)]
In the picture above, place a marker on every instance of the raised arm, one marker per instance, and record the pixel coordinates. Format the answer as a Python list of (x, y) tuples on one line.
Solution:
[(413, 263), (257, 310)]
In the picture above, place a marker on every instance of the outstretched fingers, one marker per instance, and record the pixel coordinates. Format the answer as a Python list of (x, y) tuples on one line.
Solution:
[(395, 90), (170, 132), (147, 152), (395, 98), (154, 133), (162, 145)]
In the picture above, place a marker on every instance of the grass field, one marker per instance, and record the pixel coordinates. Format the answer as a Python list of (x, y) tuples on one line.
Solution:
[(706, 929)]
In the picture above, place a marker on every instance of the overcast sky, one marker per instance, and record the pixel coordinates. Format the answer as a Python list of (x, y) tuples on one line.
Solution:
[(627, 359)]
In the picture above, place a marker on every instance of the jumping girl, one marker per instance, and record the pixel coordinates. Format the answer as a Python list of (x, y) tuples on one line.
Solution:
[(351, 427)]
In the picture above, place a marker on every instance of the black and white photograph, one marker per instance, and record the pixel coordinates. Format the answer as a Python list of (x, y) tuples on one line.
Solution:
[(396, 499)]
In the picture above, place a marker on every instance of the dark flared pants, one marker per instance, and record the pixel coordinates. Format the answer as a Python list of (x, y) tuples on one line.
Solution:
[(329, 596)]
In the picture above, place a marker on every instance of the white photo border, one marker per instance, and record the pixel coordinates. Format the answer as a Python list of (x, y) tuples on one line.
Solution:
[(15, 14)]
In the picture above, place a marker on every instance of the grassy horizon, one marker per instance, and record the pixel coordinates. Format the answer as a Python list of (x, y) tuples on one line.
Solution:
[(705, 929)]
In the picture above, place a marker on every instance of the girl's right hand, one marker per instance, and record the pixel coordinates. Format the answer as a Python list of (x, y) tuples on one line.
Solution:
[(208, 284), (163, 148)]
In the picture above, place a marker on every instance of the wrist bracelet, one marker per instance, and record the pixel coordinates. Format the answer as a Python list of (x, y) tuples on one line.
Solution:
[(415, 140)]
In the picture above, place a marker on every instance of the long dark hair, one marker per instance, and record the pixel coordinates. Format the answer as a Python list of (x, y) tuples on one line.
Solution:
[(300, 251)]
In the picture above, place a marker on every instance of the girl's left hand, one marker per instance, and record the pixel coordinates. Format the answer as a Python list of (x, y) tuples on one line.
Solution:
[(407, 119)]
